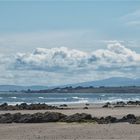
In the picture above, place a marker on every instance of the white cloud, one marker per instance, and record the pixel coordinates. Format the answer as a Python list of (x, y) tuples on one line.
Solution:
[(62, 59), (63, 65)]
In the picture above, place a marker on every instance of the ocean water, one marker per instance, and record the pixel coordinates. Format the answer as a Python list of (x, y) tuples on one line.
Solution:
[(65, 98)]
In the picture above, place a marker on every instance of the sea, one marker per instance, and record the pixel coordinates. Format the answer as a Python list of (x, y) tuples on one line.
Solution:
[(14, 98)]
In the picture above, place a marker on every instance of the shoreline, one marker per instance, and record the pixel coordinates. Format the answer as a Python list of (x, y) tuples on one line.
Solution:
[(96, 110)]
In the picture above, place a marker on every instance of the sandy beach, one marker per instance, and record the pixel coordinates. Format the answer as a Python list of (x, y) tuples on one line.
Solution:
[(96, 110), (74, 131)]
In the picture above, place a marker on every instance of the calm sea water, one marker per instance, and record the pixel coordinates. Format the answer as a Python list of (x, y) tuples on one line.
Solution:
[(65, 98)]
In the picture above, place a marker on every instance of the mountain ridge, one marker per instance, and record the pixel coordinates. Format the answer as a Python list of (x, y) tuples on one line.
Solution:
[(109, 82)]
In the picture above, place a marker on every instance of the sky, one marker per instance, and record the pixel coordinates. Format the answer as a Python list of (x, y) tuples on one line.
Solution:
[(68, 41)]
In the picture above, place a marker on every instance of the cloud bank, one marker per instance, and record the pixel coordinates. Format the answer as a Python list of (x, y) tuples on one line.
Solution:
[(58, 66), (115, 56)]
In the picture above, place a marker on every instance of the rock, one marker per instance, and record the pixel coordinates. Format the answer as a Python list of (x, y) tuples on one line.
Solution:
[(6, 118), (106, 120), (129, 118), (24, 106), (3, 105), (64, 105), (110, 119), (56, 117), (133, 102), (106, 105), (137, 120), (77, 117), (120, 103), (26, 118), (53, 116), (41, 117), (85, 107)]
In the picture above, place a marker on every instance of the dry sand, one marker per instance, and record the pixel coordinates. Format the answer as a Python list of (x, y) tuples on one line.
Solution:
[(74, 131)]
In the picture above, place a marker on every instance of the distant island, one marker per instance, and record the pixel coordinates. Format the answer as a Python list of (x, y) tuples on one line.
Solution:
[(113, 84), (80, 89)]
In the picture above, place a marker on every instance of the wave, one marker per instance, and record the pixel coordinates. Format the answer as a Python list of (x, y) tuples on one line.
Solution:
[(51, 98), (70, 102), (41, 97), (13, 97), (103, 95), (79, 98), (75, 97)]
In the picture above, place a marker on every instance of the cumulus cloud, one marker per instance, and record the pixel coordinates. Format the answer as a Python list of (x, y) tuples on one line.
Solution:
[(63, 65), (115, 56)]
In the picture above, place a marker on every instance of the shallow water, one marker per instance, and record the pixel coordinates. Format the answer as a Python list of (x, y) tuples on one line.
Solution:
[(66, 98)]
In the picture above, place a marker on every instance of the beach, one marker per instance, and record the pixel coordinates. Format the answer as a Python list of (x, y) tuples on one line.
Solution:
[(96, 110), (69, 131), (74, 131)]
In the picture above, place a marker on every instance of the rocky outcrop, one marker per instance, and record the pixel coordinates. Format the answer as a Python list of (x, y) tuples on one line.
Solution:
[(24, 106), (129, 118), (59, 117), (77, 117), (31, 118), (106, 120), (121, 104)]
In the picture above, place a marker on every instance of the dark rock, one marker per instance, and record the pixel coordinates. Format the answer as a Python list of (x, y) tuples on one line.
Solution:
[(133, 102), (24, 106), (106, 120), (3, 105), (77, 117), (41, 117), (120, 103), (53, 116), (85, 107), (137, 120), (106, 105), (110, 119), (6, 118), (64, 105), (129, 118), (16, 117), (26, 118)]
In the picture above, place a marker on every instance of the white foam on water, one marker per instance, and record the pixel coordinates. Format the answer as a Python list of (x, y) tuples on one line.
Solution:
[(41, 97), (103, 95), (14, 103), (79, 98), (75, 97), (59, 103), (13, 97)]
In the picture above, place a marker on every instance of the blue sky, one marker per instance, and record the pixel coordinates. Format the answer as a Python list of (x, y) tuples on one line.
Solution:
[(89, 27)]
